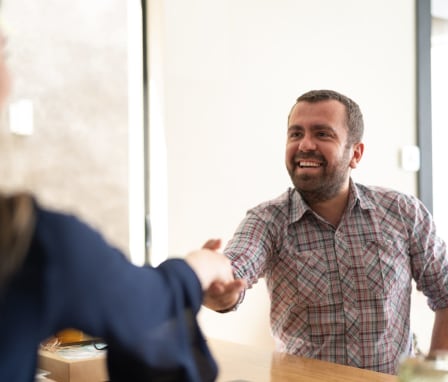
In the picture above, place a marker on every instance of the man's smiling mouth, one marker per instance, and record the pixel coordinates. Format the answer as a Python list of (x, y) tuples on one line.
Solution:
[(309, 164)]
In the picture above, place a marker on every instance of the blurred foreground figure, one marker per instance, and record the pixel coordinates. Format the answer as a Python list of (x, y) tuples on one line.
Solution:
[(57, 272)]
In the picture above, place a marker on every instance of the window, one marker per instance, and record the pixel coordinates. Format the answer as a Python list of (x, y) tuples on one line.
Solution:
[(77, 74)]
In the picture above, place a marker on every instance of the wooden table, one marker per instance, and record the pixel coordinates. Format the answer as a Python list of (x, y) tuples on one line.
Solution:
[(242, 363)]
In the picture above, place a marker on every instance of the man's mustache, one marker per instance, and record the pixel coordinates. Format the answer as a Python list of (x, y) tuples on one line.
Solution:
[(311, 155)]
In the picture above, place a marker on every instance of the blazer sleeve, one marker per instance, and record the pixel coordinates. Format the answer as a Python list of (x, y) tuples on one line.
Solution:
[(147, 315)]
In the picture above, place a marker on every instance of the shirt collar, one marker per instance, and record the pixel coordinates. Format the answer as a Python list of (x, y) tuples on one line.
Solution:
[(298, 206), (356, 196)]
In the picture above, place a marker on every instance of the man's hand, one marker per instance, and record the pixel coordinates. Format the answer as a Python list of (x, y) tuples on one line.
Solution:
[(210, 267), (221, 296)]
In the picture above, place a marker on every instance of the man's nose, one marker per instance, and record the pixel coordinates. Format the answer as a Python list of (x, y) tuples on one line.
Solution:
[(307, 143)]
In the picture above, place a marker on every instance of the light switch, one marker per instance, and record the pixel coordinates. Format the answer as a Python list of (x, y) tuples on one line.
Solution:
[(410, 158), (21, 117)]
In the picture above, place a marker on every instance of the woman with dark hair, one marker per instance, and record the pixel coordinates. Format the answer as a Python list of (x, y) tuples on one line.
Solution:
[(57, 272)]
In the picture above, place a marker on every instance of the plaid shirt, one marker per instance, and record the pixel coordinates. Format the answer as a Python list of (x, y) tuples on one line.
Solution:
[(343, 294)]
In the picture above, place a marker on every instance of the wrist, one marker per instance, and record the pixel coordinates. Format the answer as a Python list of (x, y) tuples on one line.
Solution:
[(235, 306)]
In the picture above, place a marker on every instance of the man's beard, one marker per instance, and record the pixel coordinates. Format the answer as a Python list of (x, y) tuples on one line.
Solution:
[(323, 187)]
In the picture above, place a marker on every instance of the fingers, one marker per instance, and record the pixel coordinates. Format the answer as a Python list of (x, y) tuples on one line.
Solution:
[(221, 296), (210, 266), (212, 244), (233, 286), (224, 291)]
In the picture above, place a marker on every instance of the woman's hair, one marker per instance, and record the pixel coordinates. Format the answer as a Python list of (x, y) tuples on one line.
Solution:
[(17, 220)]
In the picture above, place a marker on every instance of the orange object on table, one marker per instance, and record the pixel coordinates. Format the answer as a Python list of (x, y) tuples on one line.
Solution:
[(69, 335)]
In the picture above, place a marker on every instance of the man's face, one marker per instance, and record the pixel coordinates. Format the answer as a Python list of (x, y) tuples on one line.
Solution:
[(318, 158)]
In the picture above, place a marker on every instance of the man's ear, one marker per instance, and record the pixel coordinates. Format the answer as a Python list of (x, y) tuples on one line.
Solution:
[(358, 150)]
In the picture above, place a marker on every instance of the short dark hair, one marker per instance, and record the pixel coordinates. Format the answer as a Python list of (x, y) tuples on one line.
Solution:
[(355, 121), (17, 220)]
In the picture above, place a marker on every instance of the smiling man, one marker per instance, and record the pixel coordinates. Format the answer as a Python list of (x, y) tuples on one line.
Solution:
[(338, 257), (319, 153)]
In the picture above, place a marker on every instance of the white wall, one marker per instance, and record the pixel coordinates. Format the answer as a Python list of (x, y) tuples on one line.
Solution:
[(231, 71)]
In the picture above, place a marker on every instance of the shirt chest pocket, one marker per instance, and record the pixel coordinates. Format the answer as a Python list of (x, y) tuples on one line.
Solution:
[(312, 278), (387, 269)]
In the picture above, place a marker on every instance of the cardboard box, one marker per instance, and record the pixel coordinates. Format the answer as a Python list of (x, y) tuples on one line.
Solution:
[(75, 366)]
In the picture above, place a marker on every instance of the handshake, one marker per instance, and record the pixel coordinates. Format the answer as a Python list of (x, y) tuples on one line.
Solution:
[(221, 290)]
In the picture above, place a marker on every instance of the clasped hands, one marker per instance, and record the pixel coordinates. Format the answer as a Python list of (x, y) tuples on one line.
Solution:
[(221, 289)]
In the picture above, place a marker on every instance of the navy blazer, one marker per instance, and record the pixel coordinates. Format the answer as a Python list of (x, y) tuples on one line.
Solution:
[(73, 278)]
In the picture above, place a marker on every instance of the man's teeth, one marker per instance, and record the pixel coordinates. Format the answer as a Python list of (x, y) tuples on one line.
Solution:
[(309, 164)]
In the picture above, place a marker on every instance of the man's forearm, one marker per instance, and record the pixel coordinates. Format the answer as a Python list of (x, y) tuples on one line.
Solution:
[(439, 340)]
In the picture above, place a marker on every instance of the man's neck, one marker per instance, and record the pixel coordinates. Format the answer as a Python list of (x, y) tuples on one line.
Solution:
[(332, 210)]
